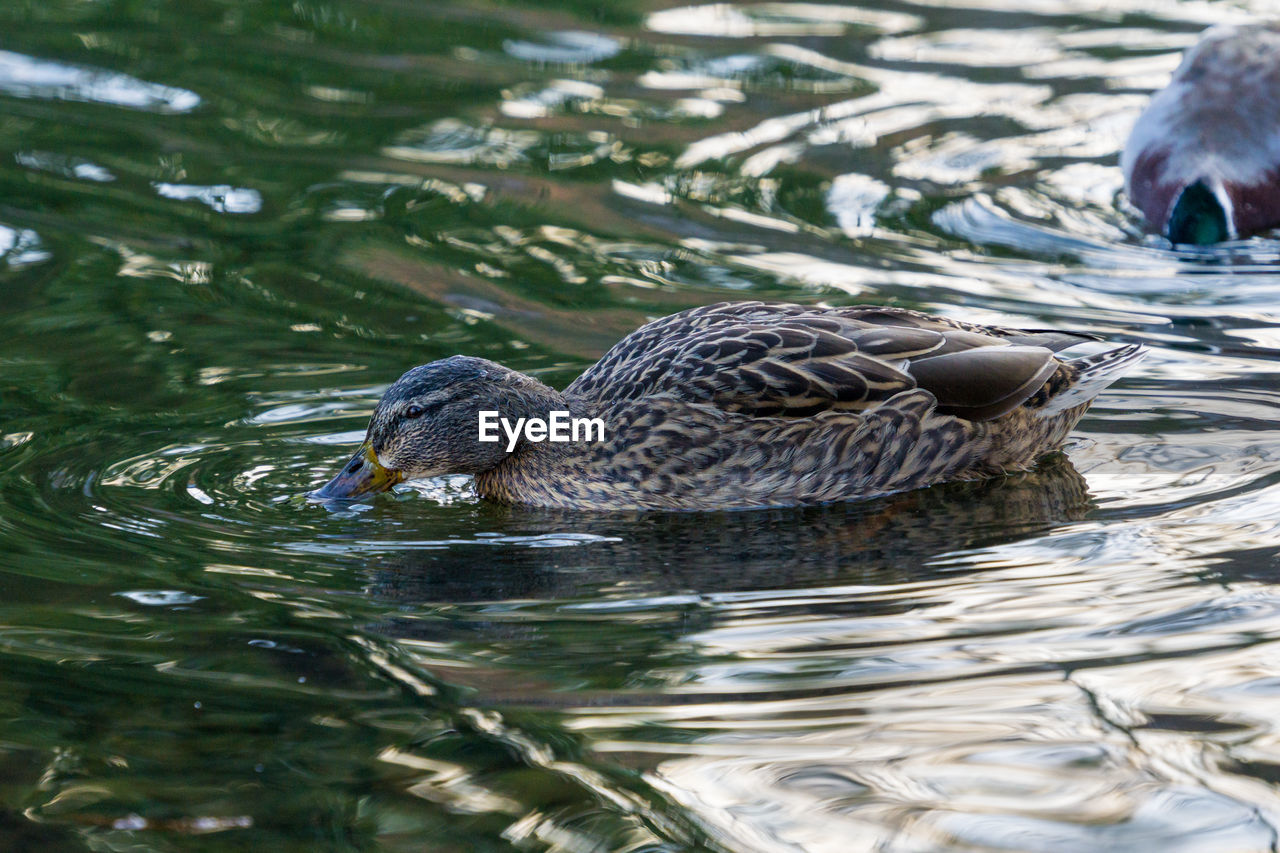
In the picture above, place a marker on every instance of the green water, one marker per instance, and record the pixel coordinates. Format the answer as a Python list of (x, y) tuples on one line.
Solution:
[(226, 226)]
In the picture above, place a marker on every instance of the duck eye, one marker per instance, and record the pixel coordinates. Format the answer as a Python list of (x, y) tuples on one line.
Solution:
[(414, 412)]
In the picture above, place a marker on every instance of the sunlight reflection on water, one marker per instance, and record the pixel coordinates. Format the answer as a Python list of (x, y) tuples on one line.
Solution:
[(28, 77)]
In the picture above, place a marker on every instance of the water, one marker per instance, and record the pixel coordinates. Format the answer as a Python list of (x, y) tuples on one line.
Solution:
[(224, 228)]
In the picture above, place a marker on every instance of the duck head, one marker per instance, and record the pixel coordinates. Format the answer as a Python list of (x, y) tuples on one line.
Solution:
[(1203, 160), (426, 424)]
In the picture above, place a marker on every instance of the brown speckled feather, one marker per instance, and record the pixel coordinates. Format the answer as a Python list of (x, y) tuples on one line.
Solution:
[(753, 404), (795, 361)]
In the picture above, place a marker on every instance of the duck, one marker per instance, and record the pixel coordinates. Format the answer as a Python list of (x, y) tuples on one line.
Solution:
[(744, 404), (1202, 162)]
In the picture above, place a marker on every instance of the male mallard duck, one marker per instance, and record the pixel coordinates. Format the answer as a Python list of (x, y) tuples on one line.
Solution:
[(1203, 161), (747, 404)]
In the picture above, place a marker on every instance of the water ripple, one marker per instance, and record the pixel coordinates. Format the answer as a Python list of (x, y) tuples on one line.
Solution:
[(28, 77)]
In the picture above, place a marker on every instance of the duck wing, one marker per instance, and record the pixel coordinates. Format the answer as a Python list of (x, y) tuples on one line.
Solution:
[(794, 361), (955, 330)]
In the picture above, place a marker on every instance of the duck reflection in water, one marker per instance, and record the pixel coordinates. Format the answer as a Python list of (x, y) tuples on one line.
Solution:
[(891, 540)]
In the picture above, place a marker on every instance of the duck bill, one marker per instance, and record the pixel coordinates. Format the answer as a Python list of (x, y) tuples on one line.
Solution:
[(363, 474)]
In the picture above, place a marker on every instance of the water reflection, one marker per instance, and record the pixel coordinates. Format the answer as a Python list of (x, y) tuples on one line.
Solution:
[(222, 199), (884, 541), (564, 47), (70, 167), (775, 19), (29, 77), (19, 247)]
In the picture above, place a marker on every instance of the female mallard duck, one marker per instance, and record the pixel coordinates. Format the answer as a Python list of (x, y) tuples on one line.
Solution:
[(1203, 161), (746, 404)]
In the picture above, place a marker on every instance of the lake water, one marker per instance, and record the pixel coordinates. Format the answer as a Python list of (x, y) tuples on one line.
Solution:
[(226, 227)]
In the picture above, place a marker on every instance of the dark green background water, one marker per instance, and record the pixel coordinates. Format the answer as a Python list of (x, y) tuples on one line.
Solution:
[(226, 226)]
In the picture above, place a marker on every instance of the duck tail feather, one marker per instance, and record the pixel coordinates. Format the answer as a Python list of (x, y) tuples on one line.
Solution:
[(1096, 372)]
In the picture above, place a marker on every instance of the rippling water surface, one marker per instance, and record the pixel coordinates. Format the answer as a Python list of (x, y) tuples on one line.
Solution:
[(226, 227)]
